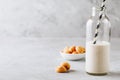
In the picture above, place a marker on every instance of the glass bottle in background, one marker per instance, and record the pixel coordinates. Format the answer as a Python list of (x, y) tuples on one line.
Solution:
[(97, 55)]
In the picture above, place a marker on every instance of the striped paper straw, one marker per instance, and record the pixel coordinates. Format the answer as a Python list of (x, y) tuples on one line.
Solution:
[(102, 8)]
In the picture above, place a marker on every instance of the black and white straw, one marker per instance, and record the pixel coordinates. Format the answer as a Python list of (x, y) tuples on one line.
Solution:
[(102, 8)]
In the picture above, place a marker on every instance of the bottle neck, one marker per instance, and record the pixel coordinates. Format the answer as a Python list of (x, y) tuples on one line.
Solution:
[(93, 11)]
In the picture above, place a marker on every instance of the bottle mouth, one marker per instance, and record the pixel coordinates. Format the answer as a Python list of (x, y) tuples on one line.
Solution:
[(97, 8), (96, 11)]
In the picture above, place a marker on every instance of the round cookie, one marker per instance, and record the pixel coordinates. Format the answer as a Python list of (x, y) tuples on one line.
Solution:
[(66, 65), (61, 69)]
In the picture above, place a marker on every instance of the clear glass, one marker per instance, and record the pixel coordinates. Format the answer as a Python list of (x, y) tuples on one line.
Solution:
[(104, 30), (97, 55)]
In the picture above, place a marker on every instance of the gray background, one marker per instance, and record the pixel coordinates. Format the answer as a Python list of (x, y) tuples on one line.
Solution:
[(52, 18)]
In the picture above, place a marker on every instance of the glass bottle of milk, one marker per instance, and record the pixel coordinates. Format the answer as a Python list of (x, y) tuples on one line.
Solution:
[(97, 55)]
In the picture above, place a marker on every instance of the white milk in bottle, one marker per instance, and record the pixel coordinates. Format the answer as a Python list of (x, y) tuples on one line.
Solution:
[(97, 57)]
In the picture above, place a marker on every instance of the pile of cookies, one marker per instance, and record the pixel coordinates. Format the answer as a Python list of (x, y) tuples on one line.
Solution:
[(74, 50), (64, 67)]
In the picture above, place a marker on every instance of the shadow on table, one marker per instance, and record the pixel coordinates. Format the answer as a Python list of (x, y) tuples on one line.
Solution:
[(82, 59), (114, 74), (72, 70)]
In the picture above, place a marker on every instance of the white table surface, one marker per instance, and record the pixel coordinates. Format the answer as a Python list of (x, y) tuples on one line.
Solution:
[(36, 59)]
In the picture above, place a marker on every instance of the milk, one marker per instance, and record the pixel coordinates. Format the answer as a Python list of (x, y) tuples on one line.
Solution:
[(97, 57)]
